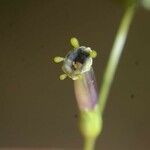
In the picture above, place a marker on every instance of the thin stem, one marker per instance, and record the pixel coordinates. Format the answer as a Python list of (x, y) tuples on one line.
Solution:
[(89, 144), (115, 56)]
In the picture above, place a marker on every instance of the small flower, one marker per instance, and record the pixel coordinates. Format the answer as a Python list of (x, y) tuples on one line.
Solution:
[(77, 65), (77, 61)]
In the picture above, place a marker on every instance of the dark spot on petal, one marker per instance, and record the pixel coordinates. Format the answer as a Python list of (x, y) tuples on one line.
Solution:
[(81, 56)]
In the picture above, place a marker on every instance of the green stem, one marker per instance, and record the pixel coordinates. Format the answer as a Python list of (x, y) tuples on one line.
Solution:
[(90, 127), (115, 56), (89, 144)]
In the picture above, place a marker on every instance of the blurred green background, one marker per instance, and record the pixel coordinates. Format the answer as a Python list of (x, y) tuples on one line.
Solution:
[(39, 111)]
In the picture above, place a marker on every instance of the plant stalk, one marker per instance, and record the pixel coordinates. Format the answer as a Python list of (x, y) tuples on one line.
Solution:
[(89, 144), (115, 55)]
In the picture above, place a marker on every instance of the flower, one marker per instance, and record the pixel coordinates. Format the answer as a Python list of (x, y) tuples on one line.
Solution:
[(77, 65)]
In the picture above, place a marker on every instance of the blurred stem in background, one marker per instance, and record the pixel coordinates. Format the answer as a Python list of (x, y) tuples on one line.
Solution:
[(115, 55)]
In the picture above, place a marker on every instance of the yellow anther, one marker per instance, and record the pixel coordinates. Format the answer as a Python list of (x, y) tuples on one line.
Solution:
[(58, 59), (62, 76), (93, 54), (74, 42)]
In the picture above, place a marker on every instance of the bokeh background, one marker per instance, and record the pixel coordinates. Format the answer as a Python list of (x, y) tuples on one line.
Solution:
[(39, 111)]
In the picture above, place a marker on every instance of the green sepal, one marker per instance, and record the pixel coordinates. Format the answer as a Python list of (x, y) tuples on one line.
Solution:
[(90, 123)]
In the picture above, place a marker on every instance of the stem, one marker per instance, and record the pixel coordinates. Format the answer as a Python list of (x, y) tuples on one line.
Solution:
[(90, 126), (89, 144), (115, 56)]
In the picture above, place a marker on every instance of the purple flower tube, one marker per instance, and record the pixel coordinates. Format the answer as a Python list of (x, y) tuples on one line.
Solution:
[(86, 91)]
